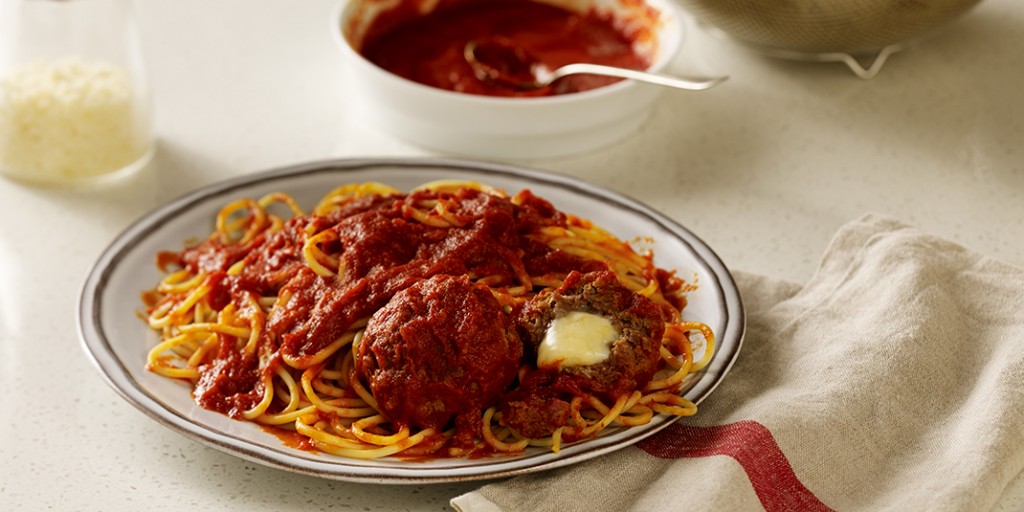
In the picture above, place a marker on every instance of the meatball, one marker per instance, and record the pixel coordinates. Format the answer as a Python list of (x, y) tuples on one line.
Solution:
[(439, 350), (540, 404), (633, 356), (535, 416)]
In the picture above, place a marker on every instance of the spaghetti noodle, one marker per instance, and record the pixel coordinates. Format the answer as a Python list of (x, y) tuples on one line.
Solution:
[(387, 323)]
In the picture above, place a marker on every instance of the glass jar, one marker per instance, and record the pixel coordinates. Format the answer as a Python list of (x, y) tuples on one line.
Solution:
[(74, 104)]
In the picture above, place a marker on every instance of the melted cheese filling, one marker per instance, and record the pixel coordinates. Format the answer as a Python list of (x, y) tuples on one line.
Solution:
[(577, 339)]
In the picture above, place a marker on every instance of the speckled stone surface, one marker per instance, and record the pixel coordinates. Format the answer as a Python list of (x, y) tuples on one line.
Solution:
[(764, 169)]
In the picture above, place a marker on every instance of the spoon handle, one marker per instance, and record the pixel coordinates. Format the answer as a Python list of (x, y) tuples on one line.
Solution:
[(690, 84)]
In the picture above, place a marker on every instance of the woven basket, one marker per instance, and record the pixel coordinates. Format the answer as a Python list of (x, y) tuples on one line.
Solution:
[(826, 26)]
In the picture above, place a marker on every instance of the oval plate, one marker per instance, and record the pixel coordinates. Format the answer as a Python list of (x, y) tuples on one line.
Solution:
[(117, 340)]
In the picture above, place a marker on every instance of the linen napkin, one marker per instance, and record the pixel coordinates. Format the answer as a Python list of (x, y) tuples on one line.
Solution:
[(894, 380)]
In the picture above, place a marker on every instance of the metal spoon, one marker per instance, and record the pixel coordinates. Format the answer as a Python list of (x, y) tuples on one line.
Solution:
[(500, 61)]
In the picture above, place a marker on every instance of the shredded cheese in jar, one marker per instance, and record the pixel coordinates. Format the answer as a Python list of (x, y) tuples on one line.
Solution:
[(69, 119)]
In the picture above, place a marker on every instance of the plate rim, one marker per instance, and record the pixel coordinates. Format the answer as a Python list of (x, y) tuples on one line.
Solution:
[(95, 343)]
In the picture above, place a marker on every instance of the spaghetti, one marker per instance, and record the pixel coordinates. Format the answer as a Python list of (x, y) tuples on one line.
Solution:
[(387, 323)]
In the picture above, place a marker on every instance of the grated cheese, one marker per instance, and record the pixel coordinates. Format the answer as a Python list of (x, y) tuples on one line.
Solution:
[(69, 119)]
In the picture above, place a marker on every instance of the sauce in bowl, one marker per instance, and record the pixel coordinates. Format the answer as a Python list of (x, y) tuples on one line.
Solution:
[(429, 49)]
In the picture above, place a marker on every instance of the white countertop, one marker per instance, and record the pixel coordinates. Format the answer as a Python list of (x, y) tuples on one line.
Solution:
[(764, 168)]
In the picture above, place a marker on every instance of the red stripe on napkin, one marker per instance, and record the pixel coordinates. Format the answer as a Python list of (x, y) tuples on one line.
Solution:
[(753, 446)]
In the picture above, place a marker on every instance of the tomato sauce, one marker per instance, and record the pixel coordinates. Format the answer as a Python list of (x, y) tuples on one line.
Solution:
[(383, 254), (429, 49)]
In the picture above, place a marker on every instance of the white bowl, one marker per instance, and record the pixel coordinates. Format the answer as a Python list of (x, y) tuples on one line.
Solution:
[(498, 127)]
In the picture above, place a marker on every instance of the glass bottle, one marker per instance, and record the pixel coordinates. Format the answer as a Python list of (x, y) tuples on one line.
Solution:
[(75, 107)]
